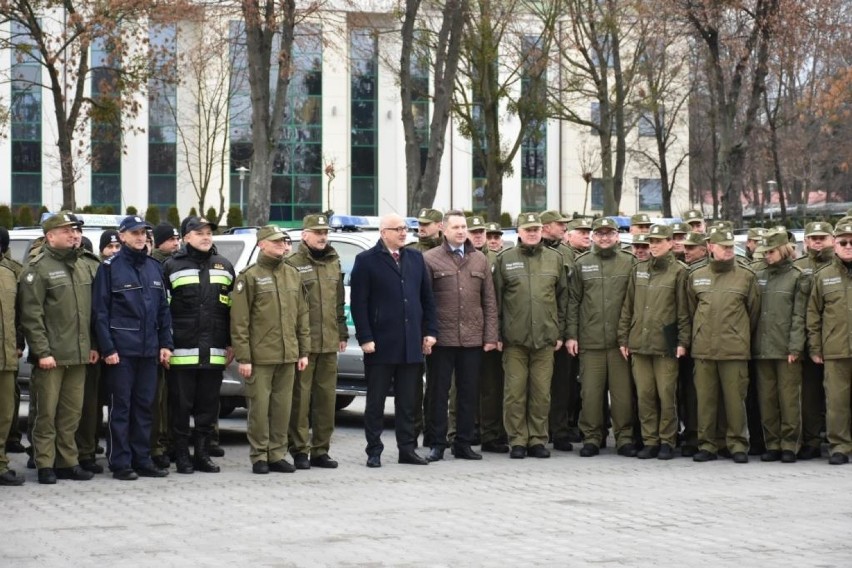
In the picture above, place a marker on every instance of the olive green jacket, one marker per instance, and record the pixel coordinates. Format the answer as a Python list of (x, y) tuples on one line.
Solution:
[(597, 294), (270, 321), (655, 316), (427, 243), (725, 305), (160, 256), (55, 298), (532, 296), (323, 282), (783, 303), (829, 316), (8, 323)]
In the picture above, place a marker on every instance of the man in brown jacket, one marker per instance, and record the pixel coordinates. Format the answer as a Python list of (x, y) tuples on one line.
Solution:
[(467, 326)]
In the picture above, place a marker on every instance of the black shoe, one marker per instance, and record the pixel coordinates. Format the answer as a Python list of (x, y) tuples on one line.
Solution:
[(435, 454), (495, 447), (183, 463), (31, 463), (150, 470), (15, 447), (589, 450), (46, 476), (518, 453), (809, 453), (91, 465), (374, 461), (538, 451), (628, 451), (725, 453), (204, 464), (9, 479), (126, 474), (704, 456), (412, 458), (162, 461), (688, 451), (75, 473), (301, 461), (563, 445), (666, 452), (788, 456), (770, 456), (740, 457), (323, 461), (836, 459), (466, 453), (282, 466), (260, 466), (216, 451), (648, 452)]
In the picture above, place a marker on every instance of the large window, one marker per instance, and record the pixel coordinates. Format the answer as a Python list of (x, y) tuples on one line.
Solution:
[(646, 121), (534, 145), (363, 80), (650, 194), (420, 98), (597, 194), (106, 130), (25, 118), (297, 166), (162, 124)]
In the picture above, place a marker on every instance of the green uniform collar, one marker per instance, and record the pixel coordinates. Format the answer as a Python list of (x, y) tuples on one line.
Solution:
[(722, 265), (267, 261)]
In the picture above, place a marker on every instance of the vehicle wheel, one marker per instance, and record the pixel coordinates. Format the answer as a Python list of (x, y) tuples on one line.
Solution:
[(225, 410), (343, 400)]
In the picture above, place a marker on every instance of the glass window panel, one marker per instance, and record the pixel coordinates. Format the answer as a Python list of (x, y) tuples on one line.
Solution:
[(363, 191), (363, 161), (363, 138), (25, 77), (307, 111), (478, 167), (479, 185), (281, 189), (363, 114), (26, 107), (313, 83), (162, 190), (363, 87), (162, 158), (26, 131), (307, 190), (106, 190), (533, 195), (597, 193), (240, 155), (650, 194), (106, 158), (26, 156), (26, 189), (308, 159)]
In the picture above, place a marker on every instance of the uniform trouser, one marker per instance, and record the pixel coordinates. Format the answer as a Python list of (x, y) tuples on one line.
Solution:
[(526, 396), (656, 389), (312, 418), (57, 414), (463, 363), (491, 397), (7, 402), (406, 379), (599, 369), (131, 386), (564, 378), (193, 393), (838, 405), (87, 431), (753, 412), (160, 434), (728, 379), (687, 401), (779, 387), (269, 393), (14, 428), (813, 403)]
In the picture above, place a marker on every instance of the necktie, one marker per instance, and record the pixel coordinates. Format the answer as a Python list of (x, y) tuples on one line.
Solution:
[(395, 256), (459, 255)]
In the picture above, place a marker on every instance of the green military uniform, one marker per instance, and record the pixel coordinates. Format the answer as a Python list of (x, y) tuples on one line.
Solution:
[(314, 390), (14, 436), (90, 412), (813, 391), (56, 304), (829, 327), (725, 303), (532, 296), (270, 329), (8, 366), (421, 404), (160, 437), (654, 322), (597, 294), (780, 333)]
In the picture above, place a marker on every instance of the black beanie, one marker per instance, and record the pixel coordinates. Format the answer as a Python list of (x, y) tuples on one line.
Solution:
[(163, 232), (4, 240), (108, 237), (86, 243)]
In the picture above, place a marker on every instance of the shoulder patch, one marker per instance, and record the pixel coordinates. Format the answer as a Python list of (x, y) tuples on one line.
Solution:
[(240, 286), (29, 278)]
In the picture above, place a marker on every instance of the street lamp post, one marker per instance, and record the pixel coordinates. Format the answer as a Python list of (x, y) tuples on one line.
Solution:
[(242, 171)]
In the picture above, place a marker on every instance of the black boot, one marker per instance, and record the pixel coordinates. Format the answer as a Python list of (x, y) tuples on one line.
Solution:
[(182, 461), (202, 456)]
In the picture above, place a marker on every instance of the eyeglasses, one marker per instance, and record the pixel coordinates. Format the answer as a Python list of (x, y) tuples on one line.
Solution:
[(401, 229), (605, 234), (844, 243)]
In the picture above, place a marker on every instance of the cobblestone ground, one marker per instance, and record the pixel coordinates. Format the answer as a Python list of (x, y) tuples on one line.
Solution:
[(564, 511)]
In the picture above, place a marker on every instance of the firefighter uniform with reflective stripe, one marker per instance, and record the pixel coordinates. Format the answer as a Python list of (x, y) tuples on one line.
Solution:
[(199, 284)]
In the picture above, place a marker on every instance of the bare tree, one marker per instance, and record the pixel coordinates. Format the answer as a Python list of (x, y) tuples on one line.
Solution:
[(422, 178)]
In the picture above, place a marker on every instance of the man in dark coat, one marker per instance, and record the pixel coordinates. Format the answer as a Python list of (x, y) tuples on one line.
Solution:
[(395, 322)]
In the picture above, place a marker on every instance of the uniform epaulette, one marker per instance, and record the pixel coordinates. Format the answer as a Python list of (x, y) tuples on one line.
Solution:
[(90, 255), (682, 263), (36, 258), (747, 267), (821, 268), (582, 254), (626, 251)]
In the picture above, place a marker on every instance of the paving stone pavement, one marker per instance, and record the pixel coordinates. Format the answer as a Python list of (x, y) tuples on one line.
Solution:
[(564, 511)]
